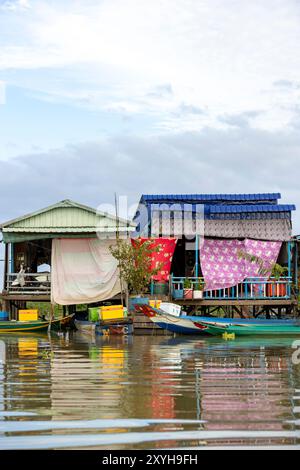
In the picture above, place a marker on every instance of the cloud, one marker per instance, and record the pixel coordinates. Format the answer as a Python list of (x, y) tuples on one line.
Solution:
[(287, 84), (153, 58), (2, 92), (15, 5), (241, 160), (240, 120)]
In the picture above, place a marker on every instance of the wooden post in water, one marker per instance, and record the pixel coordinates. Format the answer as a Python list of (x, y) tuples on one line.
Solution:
[(6, 305), (51, 315), (6, 261), (118, 239)]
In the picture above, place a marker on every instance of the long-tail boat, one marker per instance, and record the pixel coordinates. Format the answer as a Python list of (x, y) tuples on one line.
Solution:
[(33, 326), (86, 327), (272, 328), (195, 325)]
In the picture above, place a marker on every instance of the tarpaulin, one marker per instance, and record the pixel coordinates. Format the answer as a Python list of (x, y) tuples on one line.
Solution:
[(83, 271), (223, 264)]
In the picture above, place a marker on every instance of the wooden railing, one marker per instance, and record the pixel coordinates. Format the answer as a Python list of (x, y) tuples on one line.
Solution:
[(251, 289), (29, 283)]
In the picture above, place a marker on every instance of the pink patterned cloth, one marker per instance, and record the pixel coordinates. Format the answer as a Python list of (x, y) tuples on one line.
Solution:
[(222, 267)]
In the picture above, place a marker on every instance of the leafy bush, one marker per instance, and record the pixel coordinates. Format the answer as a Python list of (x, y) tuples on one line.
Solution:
[(135, 263)]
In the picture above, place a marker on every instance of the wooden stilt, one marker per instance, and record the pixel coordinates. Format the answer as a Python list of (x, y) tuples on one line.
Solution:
[(51, 316)]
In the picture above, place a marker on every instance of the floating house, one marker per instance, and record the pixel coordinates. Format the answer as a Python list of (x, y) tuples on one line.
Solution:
[(60, 254), (233, 251)]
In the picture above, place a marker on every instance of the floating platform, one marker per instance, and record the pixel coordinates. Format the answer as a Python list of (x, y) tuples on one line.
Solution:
[(123, 327)]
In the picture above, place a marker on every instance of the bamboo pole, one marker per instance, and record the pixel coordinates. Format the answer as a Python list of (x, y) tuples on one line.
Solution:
[(51, 316), (118, 239)]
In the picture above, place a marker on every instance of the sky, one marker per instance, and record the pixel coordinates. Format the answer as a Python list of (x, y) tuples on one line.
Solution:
[(139, 96)]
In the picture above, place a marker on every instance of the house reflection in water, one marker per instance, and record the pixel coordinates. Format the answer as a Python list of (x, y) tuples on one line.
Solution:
[(2, 376), (87, 381), (239, 387), (25, 387)]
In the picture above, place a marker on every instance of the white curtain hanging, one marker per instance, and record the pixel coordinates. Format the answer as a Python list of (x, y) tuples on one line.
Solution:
[(83, 271)]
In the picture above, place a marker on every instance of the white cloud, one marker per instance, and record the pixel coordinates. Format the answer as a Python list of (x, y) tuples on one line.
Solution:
[(237, 161), (15, 5), (222, 56), (2, 93)]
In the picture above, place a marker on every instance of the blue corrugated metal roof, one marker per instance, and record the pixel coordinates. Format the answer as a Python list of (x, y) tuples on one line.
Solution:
[(263, 197), (234, 209), (225, 209)]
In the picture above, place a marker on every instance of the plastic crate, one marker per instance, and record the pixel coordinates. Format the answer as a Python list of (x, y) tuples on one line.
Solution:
[(28, 315), (113, 312), (94, 314), (4, 316)]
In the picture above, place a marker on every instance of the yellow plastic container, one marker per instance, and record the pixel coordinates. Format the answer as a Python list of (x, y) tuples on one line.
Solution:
[(107, 308), (113, 312), (28, 315), (155, 303)]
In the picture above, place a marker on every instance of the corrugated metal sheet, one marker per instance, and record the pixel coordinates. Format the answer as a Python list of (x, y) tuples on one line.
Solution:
[(65, 217), (223, 209), (211, 198), (68, 218), (251, 208)]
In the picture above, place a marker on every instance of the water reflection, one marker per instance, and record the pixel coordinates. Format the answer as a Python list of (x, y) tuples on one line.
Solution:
[(147, 392)]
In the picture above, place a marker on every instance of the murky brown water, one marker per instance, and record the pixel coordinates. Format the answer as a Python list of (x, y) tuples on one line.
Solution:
[(147, 393)]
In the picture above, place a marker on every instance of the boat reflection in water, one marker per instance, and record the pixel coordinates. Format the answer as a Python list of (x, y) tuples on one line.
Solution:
[(148, 392)]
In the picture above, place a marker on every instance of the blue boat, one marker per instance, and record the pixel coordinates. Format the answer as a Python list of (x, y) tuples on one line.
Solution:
[(195, 325)]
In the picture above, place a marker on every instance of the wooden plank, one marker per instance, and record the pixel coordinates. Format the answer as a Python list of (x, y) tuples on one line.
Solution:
[(26, 298)]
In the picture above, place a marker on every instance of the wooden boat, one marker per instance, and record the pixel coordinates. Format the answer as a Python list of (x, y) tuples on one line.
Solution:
[(195, 325), (273, 328), (29, 326), (67, 322), (121, 327), (105, 328), (182, 325), (86, 327)]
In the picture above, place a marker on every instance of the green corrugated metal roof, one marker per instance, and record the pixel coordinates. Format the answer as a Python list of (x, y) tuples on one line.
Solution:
[(66, 217)]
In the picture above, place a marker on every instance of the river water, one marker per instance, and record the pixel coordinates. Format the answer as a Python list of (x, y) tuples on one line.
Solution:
[(147, 392)]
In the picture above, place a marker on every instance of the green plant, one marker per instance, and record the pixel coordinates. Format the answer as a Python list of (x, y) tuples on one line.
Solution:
[(278, 271), (272, 270), (263, 269), (187, 284), (199, 285), (135, 263), (44, 309)]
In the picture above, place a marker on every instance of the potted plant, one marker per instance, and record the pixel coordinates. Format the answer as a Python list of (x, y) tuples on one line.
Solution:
[(198, 289), (135, 267), (188, 289), (271, 274), (276, 288)]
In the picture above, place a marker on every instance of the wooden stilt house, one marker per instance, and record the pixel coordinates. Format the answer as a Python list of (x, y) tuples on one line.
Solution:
[(235, 252), (28, 242)]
